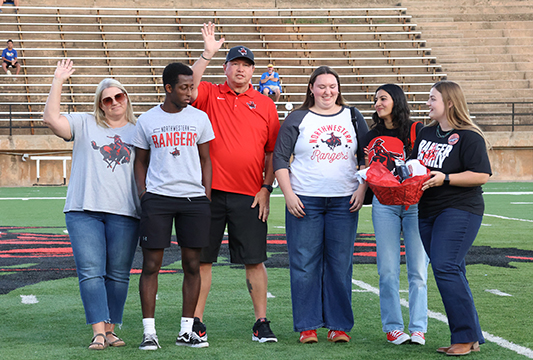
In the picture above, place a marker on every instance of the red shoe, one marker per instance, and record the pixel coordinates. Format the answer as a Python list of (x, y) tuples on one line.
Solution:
[(397, 337), (338, 336), (308, 336), (418, 337)]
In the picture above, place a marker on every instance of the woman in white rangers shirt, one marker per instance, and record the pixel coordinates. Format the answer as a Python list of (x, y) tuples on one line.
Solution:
[(323, 198)]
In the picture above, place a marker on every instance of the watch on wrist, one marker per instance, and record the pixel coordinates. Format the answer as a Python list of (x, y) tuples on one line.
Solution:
[(446, 179), (268, 187)]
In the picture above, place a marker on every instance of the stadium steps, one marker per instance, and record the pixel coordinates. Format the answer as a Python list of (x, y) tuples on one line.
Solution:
[(291, 45), (482, 46)]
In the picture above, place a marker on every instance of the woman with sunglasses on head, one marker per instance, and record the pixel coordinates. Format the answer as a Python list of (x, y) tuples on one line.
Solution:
[(102, 208), (323, 198), (391, 137), (451, 209)]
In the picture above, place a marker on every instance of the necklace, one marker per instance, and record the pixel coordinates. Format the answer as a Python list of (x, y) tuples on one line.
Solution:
[(442, 136)]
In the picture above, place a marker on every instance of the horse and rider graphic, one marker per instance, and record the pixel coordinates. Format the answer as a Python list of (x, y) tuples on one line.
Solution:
[(116, 153)]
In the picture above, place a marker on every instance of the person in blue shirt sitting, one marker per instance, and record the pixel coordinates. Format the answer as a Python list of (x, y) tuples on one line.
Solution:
[(9, 57), (269, 83)]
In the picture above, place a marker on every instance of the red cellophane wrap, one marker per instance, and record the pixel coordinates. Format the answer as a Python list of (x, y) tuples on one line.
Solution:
[(388, 189)]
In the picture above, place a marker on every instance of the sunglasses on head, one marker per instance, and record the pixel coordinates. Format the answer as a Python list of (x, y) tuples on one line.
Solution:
[(120, 97)]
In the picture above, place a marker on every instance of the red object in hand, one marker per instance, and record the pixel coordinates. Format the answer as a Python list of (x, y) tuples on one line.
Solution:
[(388, 189)]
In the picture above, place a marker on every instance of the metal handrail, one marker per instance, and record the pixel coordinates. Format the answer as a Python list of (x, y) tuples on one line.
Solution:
[(417, 114), (513, 112)]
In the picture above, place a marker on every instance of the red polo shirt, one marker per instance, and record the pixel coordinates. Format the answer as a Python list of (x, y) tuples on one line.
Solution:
[(246, 127)]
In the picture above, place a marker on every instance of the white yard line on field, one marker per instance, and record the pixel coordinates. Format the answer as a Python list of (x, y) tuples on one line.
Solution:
[(507, 218), (35, 198), (497, 292), (508, 193), (438, 316), (273, 195), (484, 193)]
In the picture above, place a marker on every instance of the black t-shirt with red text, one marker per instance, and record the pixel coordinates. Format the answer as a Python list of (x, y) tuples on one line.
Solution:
[(384, 150), (458, 151)]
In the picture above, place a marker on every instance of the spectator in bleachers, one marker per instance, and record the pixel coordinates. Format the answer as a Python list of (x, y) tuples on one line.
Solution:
[(394, 134), (9, 57), (451, 209), (14, 2), (246, 125), (269, 83), (102, 209), (323, 199)]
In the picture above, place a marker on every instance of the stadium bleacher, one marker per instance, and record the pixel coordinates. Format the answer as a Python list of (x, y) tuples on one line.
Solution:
[(484, 47), (365, 45)]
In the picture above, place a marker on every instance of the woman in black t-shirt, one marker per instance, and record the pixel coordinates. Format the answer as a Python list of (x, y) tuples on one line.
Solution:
[(451, 208)]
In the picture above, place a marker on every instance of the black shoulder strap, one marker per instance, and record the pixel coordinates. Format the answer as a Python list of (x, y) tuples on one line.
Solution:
[(360, 152)]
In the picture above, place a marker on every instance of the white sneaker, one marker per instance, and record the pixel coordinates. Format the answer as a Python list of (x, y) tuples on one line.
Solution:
[(417, 337), (397, 337), (8, 72), (150, 342), (191, 340)]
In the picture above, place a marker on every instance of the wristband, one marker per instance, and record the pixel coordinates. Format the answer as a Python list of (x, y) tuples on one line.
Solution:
[(446, 179), (142, 193), (268, 187), (203, 57)]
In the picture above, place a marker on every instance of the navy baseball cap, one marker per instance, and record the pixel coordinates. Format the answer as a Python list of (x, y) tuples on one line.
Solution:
[(240, 52)]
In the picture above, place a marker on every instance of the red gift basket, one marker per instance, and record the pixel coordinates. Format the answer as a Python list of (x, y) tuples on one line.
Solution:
[(389, 190)]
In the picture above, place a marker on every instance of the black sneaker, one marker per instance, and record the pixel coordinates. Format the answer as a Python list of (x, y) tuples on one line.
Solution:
[(262, 333), (199, 329), (191, 340), (150, 342)]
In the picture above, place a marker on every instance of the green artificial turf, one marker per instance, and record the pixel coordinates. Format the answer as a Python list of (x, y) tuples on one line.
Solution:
[(55, 328)]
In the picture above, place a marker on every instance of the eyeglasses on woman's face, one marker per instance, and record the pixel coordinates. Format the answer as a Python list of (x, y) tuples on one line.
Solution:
[(120, 97)]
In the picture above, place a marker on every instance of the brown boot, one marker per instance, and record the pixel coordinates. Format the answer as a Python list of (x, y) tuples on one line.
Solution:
[(463, 349)]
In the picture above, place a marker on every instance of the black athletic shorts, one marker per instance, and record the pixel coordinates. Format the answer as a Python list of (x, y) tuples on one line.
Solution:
[(192, 217), (246, 232), (9, 64)]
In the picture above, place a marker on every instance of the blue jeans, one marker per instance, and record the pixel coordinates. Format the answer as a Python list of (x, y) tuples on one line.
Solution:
[(389, 221), (321, 246), (103, 245), (447, 237)]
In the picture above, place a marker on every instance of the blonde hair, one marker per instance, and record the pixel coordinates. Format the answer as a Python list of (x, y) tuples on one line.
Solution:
[(457, 115), (99, 114)]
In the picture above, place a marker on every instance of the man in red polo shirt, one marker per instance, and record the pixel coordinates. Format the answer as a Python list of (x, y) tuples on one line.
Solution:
[(246, 126)]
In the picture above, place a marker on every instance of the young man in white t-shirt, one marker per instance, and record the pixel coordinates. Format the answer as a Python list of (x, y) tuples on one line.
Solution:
[(173, 173)]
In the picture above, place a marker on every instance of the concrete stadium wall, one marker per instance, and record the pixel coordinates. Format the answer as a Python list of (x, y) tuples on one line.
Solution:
[(511, 158), (14, 171), (511, 155)]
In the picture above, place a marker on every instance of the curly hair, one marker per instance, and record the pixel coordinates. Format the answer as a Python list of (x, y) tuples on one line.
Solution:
[(400, 114)]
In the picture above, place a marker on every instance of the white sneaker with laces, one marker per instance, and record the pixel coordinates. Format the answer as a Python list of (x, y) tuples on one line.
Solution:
[(150, 342), (8, 72), (417, 337), (397, 337)]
